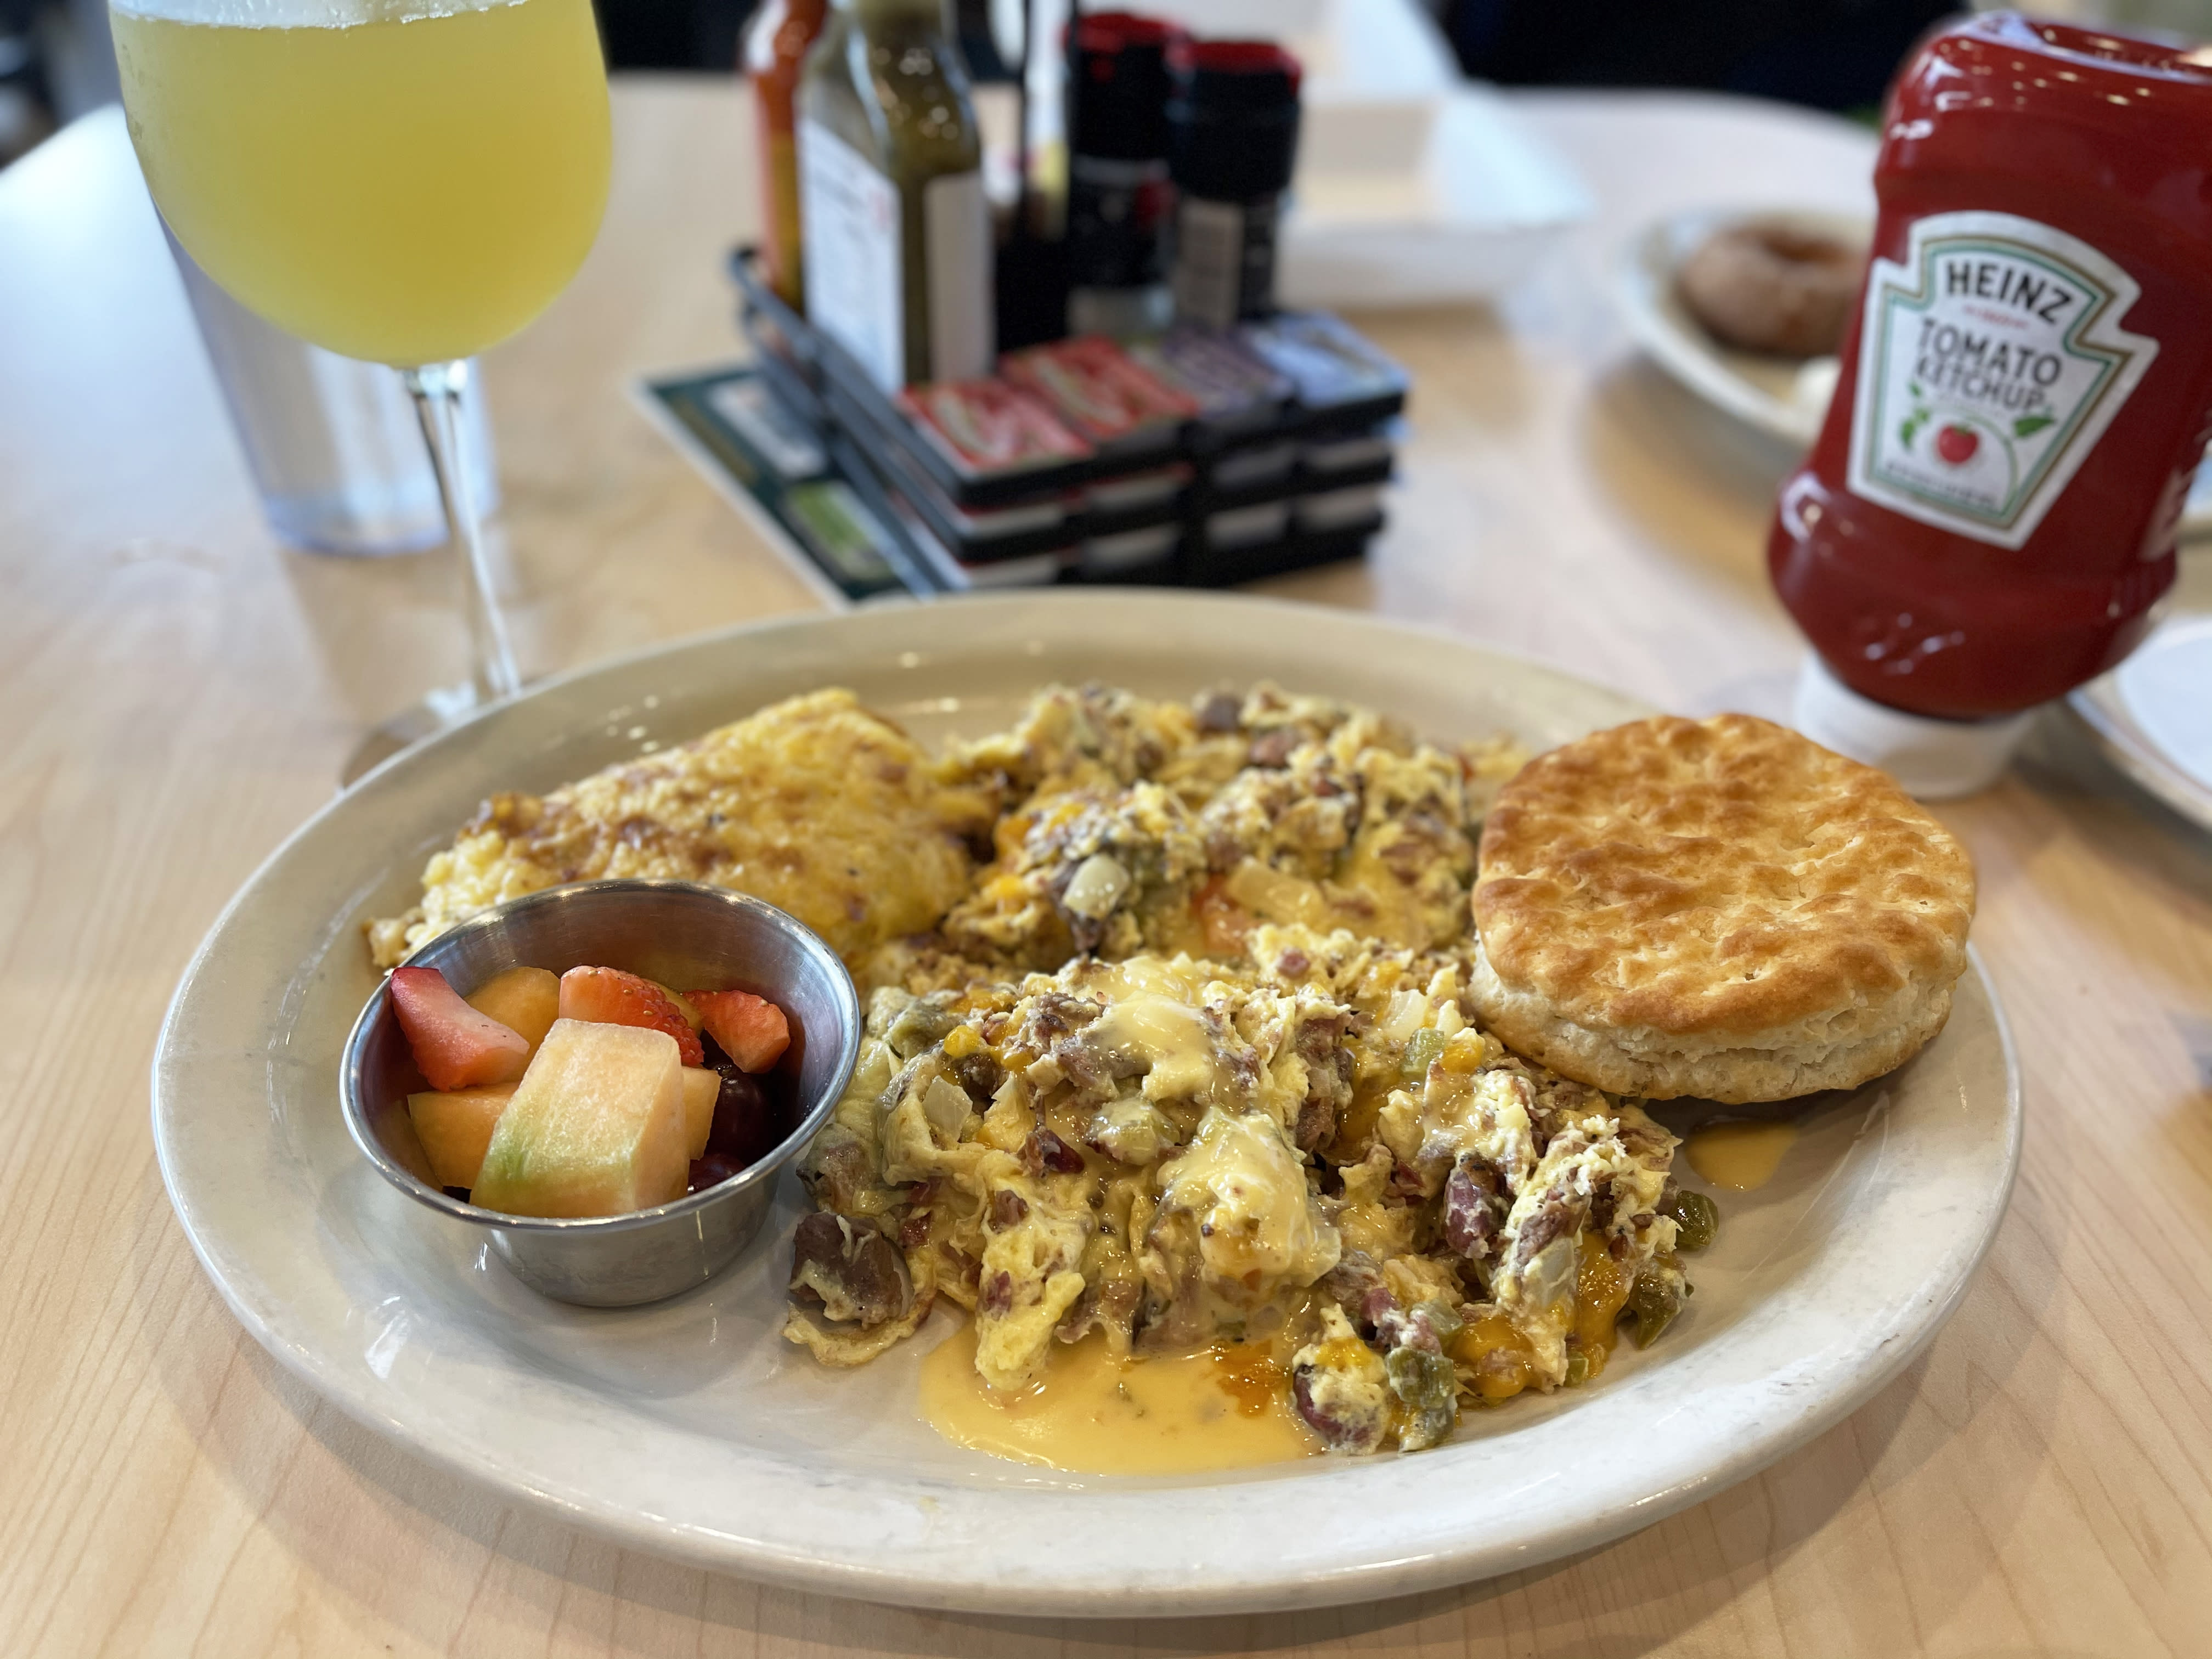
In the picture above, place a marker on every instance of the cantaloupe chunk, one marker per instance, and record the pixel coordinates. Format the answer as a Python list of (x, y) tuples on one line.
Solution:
[(524, 999), (751, 1031), (702, 1089), (455, 1127), (596, 1127)]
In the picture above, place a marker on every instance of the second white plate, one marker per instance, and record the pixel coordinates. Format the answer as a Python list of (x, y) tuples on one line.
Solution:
[(690, 1429), (1785, 399), (1778, 396), (2153, 714)]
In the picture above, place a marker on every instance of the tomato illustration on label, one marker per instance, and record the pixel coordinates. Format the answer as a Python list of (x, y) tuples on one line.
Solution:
[(1957, 444)]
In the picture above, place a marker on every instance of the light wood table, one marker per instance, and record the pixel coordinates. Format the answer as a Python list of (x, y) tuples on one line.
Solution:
[(180, 694)]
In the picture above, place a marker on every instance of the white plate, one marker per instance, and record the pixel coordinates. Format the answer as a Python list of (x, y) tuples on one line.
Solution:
[(1778, 396), (2153, 714), (688, 1428)]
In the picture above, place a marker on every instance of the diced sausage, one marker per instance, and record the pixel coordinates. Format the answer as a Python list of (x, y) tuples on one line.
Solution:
[(855, 1272), (1046, 1153)]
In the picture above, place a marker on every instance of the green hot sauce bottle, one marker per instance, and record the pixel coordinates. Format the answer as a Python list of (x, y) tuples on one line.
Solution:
[(899, 244)]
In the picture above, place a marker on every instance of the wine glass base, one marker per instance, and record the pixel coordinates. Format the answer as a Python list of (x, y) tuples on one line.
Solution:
[(441, 707)]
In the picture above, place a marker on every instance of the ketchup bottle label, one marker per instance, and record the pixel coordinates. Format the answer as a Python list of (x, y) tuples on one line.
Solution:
[(1990, 362)]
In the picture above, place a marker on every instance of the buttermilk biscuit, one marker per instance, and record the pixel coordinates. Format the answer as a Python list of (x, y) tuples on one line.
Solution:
[(1716, 907)]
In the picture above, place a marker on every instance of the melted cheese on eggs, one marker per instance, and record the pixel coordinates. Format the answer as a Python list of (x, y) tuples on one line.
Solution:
[(1257, 1224), (1227, 1407)]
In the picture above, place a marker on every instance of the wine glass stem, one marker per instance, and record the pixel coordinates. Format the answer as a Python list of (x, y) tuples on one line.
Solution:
[(437, 388)]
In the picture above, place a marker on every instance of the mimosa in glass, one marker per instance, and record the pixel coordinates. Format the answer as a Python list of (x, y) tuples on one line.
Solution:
[(406, 181)]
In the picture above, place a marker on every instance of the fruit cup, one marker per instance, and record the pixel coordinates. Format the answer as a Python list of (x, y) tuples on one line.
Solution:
[(675, 932)]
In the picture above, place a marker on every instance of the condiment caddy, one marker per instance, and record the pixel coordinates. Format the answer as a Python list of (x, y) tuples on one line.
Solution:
[(1196, 456)]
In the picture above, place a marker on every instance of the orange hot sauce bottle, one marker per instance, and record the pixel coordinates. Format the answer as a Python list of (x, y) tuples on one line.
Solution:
[(774, 51), (1988, 517)]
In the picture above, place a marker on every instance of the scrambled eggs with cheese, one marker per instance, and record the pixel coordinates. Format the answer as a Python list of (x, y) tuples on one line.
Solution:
[(1194, 1063), (1168, 1040)]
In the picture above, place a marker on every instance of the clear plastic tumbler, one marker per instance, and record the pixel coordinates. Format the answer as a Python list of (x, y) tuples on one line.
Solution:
[(334, 445)]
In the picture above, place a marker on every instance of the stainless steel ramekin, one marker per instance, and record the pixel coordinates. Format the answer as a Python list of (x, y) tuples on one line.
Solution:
[(677, 933)]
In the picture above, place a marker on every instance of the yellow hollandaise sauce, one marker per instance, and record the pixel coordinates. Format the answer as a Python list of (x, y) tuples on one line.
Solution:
[(1740, 1157), (1226, 1408)]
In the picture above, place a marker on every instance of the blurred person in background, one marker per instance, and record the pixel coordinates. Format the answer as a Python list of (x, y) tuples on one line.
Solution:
[(672, 35), (1833, 54), (1830, 54), (703, 34), (56, 62)]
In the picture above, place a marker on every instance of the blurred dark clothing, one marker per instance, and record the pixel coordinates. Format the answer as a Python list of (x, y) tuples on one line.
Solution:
[(703, 34), (1833, 54), (685, 34)]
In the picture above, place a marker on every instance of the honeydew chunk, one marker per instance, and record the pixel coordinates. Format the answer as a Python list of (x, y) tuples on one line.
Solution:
[(526, 1000), (455, 1126), (702, 1089), (596, 1127)]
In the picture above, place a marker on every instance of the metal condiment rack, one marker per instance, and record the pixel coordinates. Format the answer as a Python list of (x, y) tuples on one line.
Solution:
[(1212, 531)]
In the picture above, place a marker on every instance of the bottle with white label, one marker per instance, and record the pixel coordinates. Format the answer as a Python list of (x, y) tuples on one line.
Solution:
[(1232, 143), (1989, 515), (899, 242)]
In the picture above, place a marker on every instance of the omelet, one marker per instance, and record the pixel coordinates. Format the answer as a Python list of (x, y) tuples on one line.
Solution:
[(816, 805)]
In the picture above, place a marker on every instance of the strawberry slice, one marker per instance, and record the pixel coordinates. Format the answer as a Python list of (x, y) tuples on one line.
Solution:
[(608, 996), (751, 1029), (456, 1046)]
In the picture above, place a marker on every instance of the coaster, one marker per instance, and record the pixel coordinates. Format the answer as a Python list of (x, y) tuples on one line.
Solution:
[(773, 468)]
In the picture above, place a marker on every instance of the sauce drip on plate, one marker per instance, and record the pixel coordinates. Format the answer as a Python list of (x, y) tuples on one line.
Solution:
[(1225, 1408), (1740, 1156)]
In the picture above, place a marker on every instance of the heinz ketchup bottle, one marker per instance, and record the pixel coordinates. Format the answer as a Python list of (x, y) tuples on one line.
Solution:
[(1989, 514)]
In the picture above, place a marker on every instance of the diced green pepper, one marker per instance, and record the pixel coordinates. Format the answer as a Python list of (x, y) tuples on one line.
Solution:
[(1423, 1050), (1697, 1218), (921, 1025), (1424, 1381), (1654, 1303), (1442, 1319)]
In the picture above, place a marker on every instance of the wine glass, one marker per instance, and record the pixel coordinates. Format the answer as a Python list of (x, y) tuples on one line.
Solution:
[(403, 181)]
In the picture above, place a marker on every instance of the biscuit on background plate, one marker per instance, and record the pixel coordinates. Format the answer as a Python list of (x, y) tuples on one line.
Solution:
[(1716, 907)]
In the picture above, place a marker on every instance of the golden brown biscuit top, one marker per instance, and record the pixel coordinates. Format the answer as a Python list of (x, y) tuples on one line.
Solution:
[(1715, 876)]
